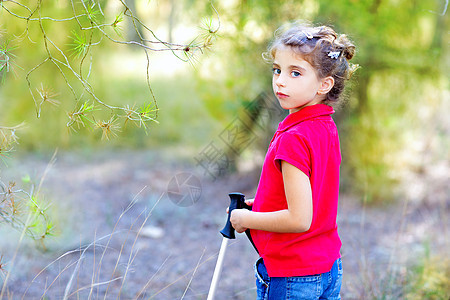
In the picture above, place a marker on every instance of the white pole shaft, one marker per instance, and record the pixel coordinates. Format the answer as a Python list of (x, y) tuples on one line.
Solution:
[(218, 269)]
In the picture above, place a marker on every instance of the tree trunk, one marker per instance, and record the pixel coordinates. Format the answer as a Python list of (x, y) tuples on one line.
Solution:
[(134, 31), (171, 21), (362, 91)]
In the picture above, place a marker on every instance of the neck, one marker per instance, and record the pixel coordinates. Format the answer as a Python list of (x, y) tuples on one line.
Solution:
[(314, 102)]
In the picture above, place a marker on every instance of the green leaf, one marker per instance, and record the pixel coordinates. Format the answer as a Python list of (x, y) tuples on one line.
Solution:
[(80, 44)]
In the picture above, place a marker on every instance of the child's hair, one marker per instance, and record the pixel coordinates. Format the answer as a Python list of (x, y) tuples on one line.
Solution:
[(323, 48)]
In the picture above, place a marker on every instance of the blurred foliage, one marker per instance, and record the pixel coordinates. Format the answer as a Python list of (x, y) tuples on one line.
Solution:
[(26, 209), (56, 47), (430, 279), (402, 51), (59, 86), (390, 120), (389, 117)]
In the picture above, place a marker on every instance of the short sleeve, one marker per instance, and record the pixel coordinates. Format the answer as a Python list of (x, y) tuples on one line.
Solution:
[(294, 149)]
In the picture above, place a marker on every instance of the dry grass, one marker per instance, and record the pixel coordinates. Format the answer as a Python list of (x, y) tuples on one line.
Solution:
[(385, 249)]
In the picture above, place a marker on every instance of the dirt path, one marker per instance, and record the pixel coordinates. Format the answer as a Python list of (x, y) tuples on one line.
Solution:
[(155, 249)]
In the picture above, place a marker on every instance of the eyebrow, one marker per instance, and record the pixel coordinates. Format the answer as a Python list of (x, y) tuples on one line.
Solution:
[(291, 66)]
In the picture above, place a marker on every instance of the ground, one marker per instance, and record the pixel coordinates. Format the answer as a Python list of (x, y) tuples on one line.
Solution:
[(122, 236)]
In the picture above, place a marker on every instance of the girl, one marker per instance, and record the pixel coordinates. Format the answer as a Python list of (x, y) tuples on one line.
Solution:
[(293, 219)]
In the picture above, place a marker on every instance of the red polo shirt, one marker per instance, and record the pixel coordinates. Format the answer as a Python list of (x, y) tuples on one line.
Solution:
[(307, 139)]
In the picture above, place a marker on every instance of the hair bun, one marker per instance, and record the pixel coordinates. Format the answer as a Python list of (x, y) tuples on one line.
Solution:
[(348, 48)]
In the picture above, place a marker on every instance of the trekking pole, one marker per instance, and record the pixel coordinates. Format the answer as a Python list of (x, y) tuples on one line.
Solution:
[(237, 201)]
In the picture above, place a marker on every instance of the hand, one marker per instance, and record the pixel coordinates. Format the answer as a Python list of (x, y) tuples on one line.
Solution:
[(249, 202), (237, 217)]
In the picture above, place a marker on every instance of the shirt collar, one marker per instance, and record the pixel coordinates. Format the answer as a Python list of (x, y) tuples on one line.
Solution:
[(305, 113)]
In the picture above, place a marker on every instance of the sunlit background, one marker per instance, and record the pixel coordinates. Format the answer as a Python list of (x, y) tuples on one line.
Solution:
[(161, 82)]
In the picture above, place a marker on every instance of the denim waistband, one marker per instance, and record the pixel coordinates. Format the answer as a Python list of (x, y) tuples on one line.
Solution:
[(261, 272)]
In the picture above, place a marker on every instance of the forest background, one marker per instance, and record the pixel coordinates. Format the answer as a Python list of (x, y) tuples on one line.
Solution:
[(172, 77)]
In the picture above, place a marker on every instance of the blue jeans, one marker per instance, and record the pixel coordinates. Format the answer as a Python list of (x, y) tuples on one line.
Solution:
[(320, 286)]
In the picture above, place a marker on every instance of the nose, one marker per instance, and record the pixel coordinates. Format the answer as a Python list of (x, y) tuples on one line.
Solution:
[(279, 80)]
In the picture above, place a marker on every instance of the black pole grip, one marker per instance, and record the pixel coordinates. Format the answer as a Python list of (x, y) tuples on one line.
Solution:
[(237, 201)]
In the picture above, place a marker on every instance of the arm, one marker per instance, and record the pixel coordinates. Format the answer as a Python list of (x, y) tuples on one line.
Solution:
[(298, 216)]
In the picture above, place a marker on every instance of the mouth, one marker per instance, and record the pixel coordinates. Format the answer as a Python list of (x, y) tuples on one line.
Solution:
[(281, 95)]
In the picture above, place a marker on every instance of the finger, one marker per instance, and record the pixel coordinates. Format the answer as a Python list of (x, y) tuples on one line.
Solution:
[(241, 229)]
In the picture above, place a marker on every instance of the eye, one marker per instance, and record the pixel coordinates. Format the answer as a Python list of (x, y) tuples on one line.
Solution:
[(295, 74), (276, 71)]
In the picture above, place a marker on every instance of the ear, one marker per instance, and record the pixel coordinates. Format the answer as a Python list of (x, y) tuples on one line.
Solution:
[(326, 86)]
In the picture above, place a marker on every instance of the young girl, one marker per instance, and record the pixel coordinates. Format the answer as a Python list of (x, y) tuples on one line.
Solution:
[(293, 219)]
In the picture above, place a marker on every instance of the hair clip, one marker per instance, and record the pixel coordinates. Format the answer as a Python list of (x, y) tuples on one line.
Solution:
[(334, 54), (309, 36)]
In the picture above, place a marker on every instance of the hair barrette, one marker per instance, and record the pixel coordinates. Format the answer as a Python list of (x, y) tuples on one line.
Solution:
[(309, 36), (334, 54)]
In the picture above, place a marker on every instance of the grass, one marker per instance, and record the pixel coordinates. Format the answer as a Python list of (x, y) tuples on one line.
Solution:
[(72, 269), (104, 282), (109, 264), (104, 269), (429, 279)]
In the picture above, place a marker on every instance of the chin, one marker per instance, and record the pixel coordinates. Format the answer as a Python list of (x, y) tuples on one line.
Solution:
[(287, 107), (284, 106)]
